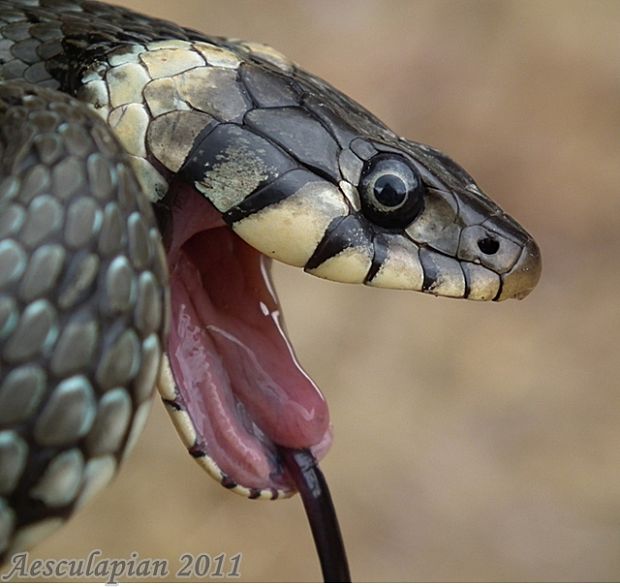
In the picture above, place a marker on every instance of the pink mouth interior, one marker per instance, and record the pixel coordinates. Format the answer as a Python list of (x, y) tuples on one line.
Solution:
[(233, 365)]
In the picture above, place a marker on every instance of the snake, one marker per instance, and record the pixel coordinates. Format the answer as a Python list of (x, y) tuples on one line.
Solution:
[(149, 174)]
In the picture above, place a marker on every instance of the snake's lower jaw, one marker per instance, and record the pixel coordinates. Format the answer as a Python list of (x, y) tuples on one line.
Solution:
[(239, 392)]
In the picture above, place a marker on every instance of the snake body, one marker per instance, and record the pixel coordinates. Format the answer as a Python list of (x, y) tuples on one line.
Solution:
[(131, 148)]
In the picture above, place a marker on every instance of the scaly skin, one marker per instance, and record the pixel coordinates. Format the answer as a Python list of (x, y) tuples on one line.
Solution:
[(296, 169)]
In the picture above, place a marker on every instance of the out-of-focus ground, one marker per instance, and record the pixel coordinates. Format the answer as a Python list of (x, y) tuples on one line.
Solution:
[(473, 442)]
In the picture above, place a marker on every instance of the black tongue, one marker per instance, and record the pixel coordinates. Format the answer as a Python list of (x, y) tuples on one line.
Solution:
[(319, 507)]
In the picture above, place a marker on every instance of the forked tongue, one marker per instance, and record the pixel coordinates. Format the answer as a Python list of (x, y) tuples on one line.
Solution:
[(233, 365), (256, 413)]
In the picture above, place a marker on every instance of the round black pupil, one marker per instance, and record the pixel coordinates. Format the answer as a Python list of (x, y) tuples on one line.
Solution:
[(390, 190)]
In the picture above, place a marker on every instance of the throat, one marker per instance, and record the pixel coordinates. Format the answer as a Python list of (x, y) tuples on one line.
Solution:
[(235, 371)]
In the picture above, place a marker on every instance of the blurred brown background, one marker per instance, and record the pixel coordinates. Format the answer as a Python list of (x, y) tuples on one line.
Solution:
[(473, 441)]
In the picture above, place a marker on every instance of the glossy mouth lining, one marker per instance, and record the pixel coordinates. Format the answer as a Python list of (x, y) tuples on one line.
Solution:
[(233, 366)]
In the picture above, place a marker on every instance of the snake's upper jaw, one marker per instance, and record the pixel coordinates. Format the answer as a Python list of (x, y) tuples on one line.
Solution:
[(524, 275), (397, 215)]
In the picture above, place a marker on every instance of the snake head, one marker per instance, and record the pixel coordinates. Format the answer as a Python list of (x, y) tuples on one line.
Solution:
[(441, 234), (311, 178), (304, 175)]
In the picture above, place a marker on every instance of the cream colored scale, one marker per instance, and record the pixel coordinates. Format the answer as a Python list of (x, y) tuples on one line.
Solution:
[(163, 94)]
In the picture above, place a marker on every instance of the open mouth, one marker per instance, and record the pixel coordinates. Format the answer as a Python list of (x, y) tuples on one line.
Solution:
[(235, 372)]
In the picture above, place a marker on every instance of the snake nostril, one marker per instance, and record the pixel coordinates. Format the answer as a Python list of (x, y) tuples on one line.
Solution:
[(488, 245)]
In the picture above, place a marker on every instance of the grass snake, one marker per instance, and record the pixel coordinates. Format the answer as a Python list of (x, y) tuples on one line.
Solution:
[(148, 175)]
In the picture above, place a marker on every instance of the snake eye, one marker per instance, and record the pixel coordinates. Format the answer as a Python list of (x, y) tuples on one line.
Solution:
[(392, 192)]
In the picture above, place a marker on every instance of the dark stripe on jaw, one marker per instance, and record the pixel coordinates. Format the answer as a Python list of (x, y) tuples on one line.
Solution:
[(429, 268), (175, 405), (279, 189), (465, 270), (196, 451), (227, 482), (319, 255), (501, 287), (380, 254), (342, 233)]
